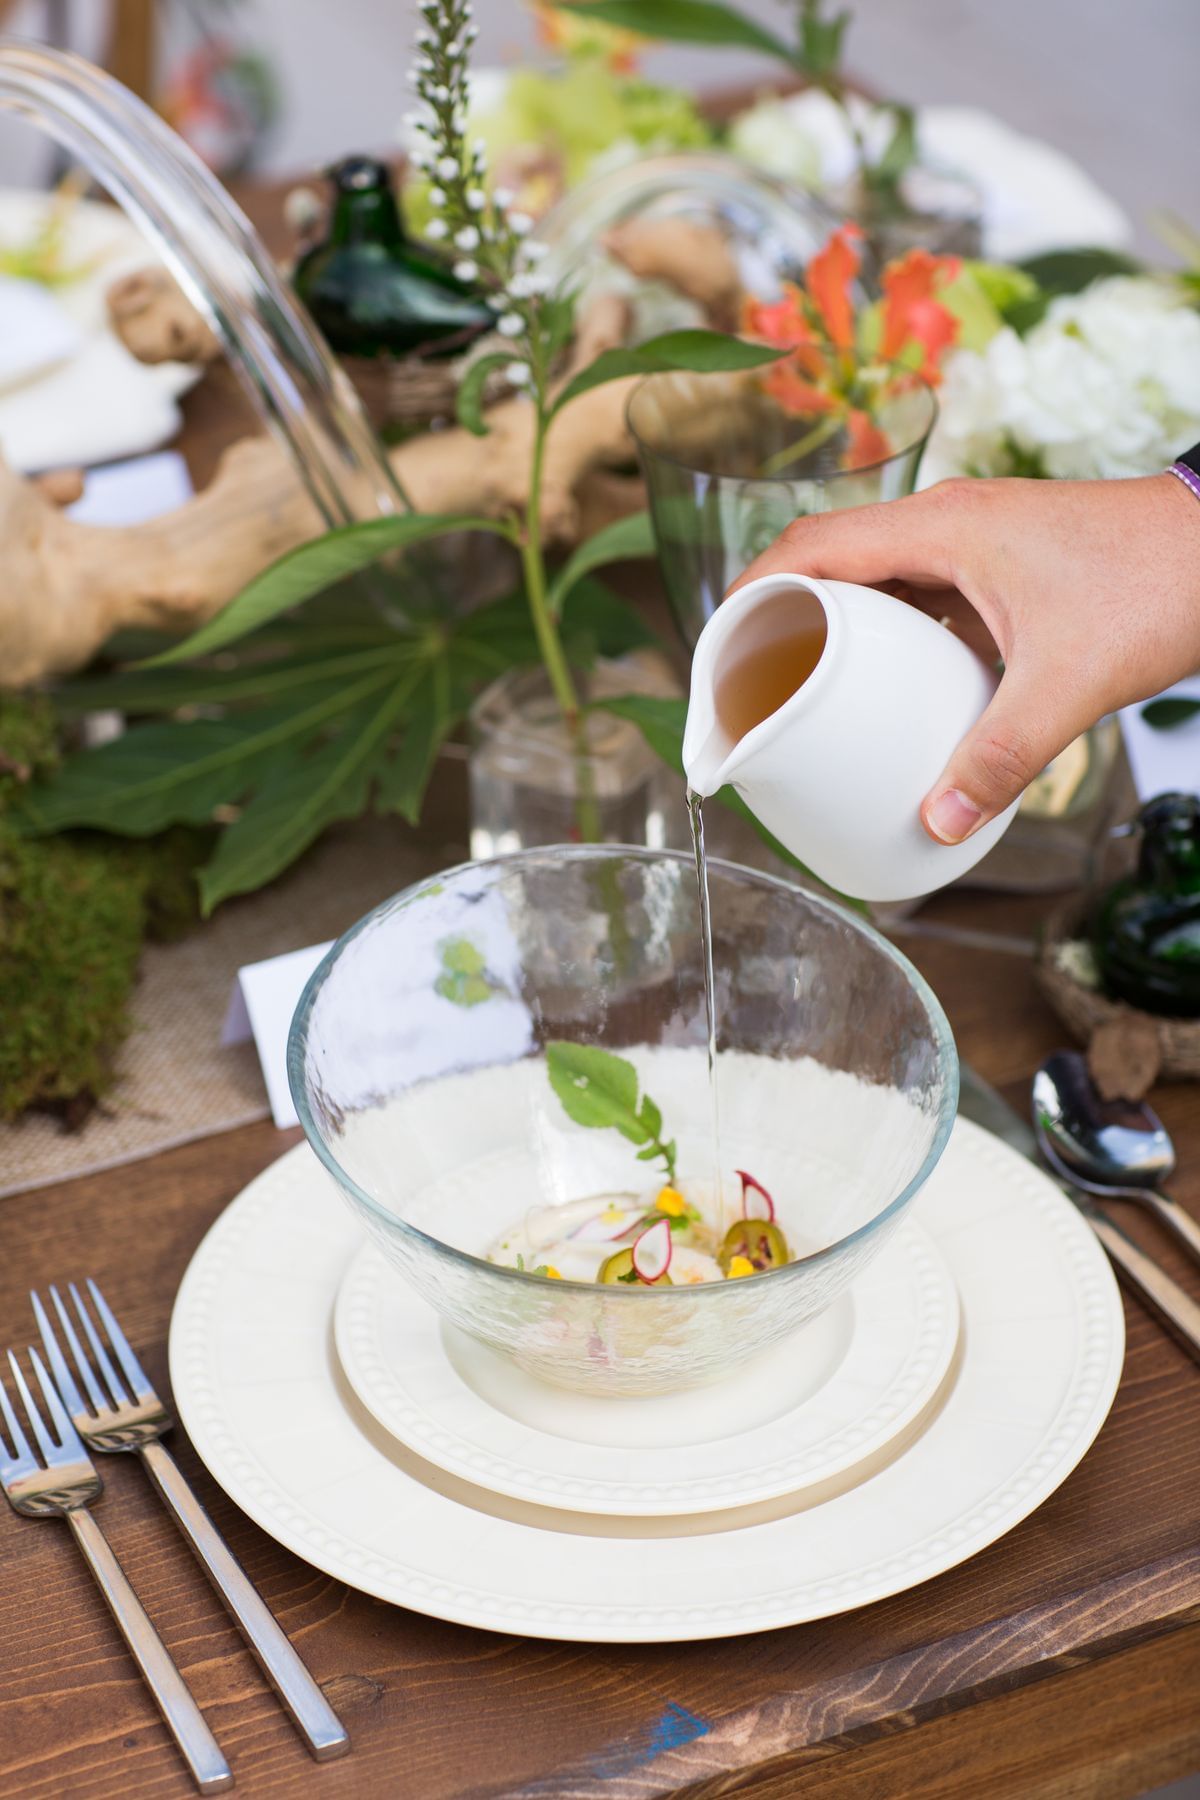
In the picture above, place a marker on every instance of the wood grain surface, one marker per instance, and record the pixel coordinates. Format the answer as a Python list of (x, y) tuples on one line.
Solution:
[(964, 1682)]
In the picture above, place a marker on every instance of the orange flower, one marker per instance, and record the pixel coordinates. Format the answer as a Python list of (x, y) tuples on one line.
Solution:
[(865, 442), (828, 278), (573, 33), (911, 311), (787, 386), (784, 324)]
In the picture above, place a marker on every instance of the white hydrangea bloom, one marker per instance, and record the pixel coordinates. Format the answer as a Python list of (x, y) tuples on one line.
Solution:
[(1106, 384)]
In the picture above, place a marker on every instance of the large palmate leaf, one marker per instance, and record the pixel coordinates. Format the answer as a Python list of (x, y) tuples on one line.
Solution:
[(311, 567), (180, 771), (661, 723), (298, 799), (438, 703), (700, 352), (686, 22), (138, 692), (618, 542)]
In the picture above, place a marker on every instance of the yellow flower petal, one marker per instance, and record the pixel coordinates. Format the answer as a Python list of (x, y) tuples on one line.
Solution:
[(552, 1272), (739, 1265), (671, 1202)]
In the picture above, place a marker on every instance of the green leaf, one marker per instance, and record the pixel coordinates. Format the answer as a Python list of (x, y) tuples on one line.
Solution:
[(597, 622), (558, 321), (596, 1088), (432, 715), (298, 799), (469, 404), (899, 152), (309, 568), (650, 1116), (178, 772), (1169, 714), (702, 352), (618, 542), (686, 22), (143, 691), (1069, 271), (661, 723), (821, 41)]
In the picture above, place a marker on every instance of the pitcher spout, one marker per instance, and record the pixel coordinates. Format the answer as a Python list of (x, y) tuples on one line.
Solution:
[(704, 763)]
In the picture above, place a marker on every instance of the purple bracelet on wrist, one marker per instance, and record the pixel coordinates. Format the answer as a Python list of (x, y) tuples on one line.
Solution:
[(1188, 477), (1187, 468)]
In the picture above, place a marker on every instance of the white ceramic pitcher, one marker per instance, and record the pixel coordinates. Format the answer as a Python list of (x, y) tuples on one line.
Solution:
[(839, 771)]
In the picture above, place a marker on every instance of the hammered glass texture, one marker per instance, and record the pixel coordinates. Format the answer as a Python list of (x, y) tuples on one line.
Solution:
[(415, 1077)]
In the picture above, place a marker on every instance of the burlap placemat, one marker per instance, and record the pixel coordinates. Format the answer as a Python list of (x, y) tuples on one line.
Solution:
[(176, 1082)]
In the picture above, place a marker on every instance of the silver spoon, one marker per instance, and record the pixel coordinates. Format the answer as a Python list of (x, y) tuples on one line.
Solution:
[(1119, 1148)]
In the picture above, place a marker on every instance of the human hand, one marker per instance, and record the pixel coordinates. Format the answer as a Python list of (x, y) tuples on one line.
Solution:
[(1088, 590)]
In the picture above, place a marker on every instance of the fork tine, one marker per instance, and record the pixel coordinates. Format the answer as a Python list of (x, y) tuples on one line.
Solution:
[(68, 1438), (45, 1443), (99, 1401), (20, 1443), (64, 1380), (134, 1373), (112, 1380)]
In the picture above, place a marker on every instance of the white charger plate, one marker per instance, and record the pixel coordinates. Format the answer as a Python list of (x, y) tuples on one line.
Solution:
[(259, 1390), (826, 1401)]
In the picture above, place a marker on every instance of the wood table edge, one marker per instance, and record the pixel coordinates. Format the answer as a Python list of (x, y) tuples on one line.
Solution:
[(885, 1698)]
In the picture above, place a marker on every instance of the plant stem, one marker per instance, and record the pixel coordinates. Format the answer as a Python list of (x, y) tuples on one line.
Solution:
[(812, 440), (533, 563)]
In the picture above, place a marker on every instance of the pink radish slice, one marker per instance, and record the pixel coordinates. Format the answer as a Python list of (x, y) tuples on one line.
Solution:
[(756, 1202), (652, 1251), (599, 1230)]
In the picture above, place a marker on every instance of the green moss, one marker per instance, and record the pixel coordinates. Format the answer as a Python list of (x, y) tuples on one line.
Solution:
[(74, 911)]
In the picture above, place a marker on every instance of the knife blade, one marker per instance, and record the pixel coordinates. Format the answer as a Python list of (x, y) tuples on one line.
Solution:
[(1171, 1305)]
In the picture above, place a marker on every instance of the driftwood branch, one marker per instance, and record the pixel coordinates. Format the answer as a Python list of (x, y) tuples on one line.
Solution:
[(65, 588)]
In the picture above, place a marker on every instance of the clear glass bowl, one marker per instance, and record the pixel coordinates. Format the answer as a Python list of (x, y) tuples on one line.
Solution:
[(416, 1062)]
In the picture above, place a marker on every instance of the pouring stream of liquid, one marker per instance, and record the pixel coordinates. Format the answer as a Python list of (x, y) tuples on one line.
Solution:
[(695, 805)]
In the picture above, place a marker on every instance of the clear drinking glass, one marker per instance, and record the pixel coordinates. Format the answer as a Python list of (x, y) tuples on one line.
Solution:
[(416, 1060), (727, 467)]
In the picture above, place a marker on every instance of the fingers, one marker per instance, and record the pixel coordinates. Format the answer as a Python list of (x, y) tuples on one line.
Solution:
[(1028, 723), (897, 540)]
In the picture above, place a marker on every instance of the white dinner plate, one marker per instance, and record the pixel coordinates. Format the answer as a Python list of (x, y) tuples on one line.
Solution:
[(262, 1396), (827, 1401)]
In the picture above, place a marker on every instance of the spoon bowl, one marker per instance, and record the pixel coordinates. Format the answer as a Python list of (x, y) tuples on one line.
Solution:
[(1118, 1148)]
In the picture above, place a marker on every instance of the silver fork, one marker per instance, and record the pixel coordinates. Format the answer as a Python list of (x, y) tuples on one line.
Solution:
[(132, 1417), (65, 1483)]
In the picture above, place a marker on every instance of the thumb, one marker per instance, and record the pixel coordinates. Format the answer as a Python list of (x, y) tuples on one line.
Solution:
[(1023, 729)]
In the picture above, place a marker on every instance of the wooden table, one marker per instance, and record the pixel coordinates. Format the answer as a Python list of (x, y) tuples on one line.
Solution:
[(1065, 1660)]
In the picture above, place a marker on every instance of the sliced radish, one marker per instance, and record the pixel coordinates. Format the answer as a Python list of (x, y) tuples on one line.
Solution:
[(756, 1202), (605, 1227), (652, 1251)]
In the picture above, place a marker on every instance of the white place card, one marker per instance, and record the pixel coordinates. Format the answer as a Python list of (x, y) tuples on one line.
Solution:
[(265, 995)]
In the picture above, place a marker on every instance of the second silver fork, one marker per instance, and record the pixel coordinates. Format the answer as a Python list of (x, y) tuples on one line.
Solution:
[(129, 1416)]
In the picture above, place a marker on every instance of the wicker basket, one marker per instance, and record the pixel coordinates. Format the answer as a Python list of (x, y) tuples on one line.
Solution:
[(1083, 1010), (412, 392)]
